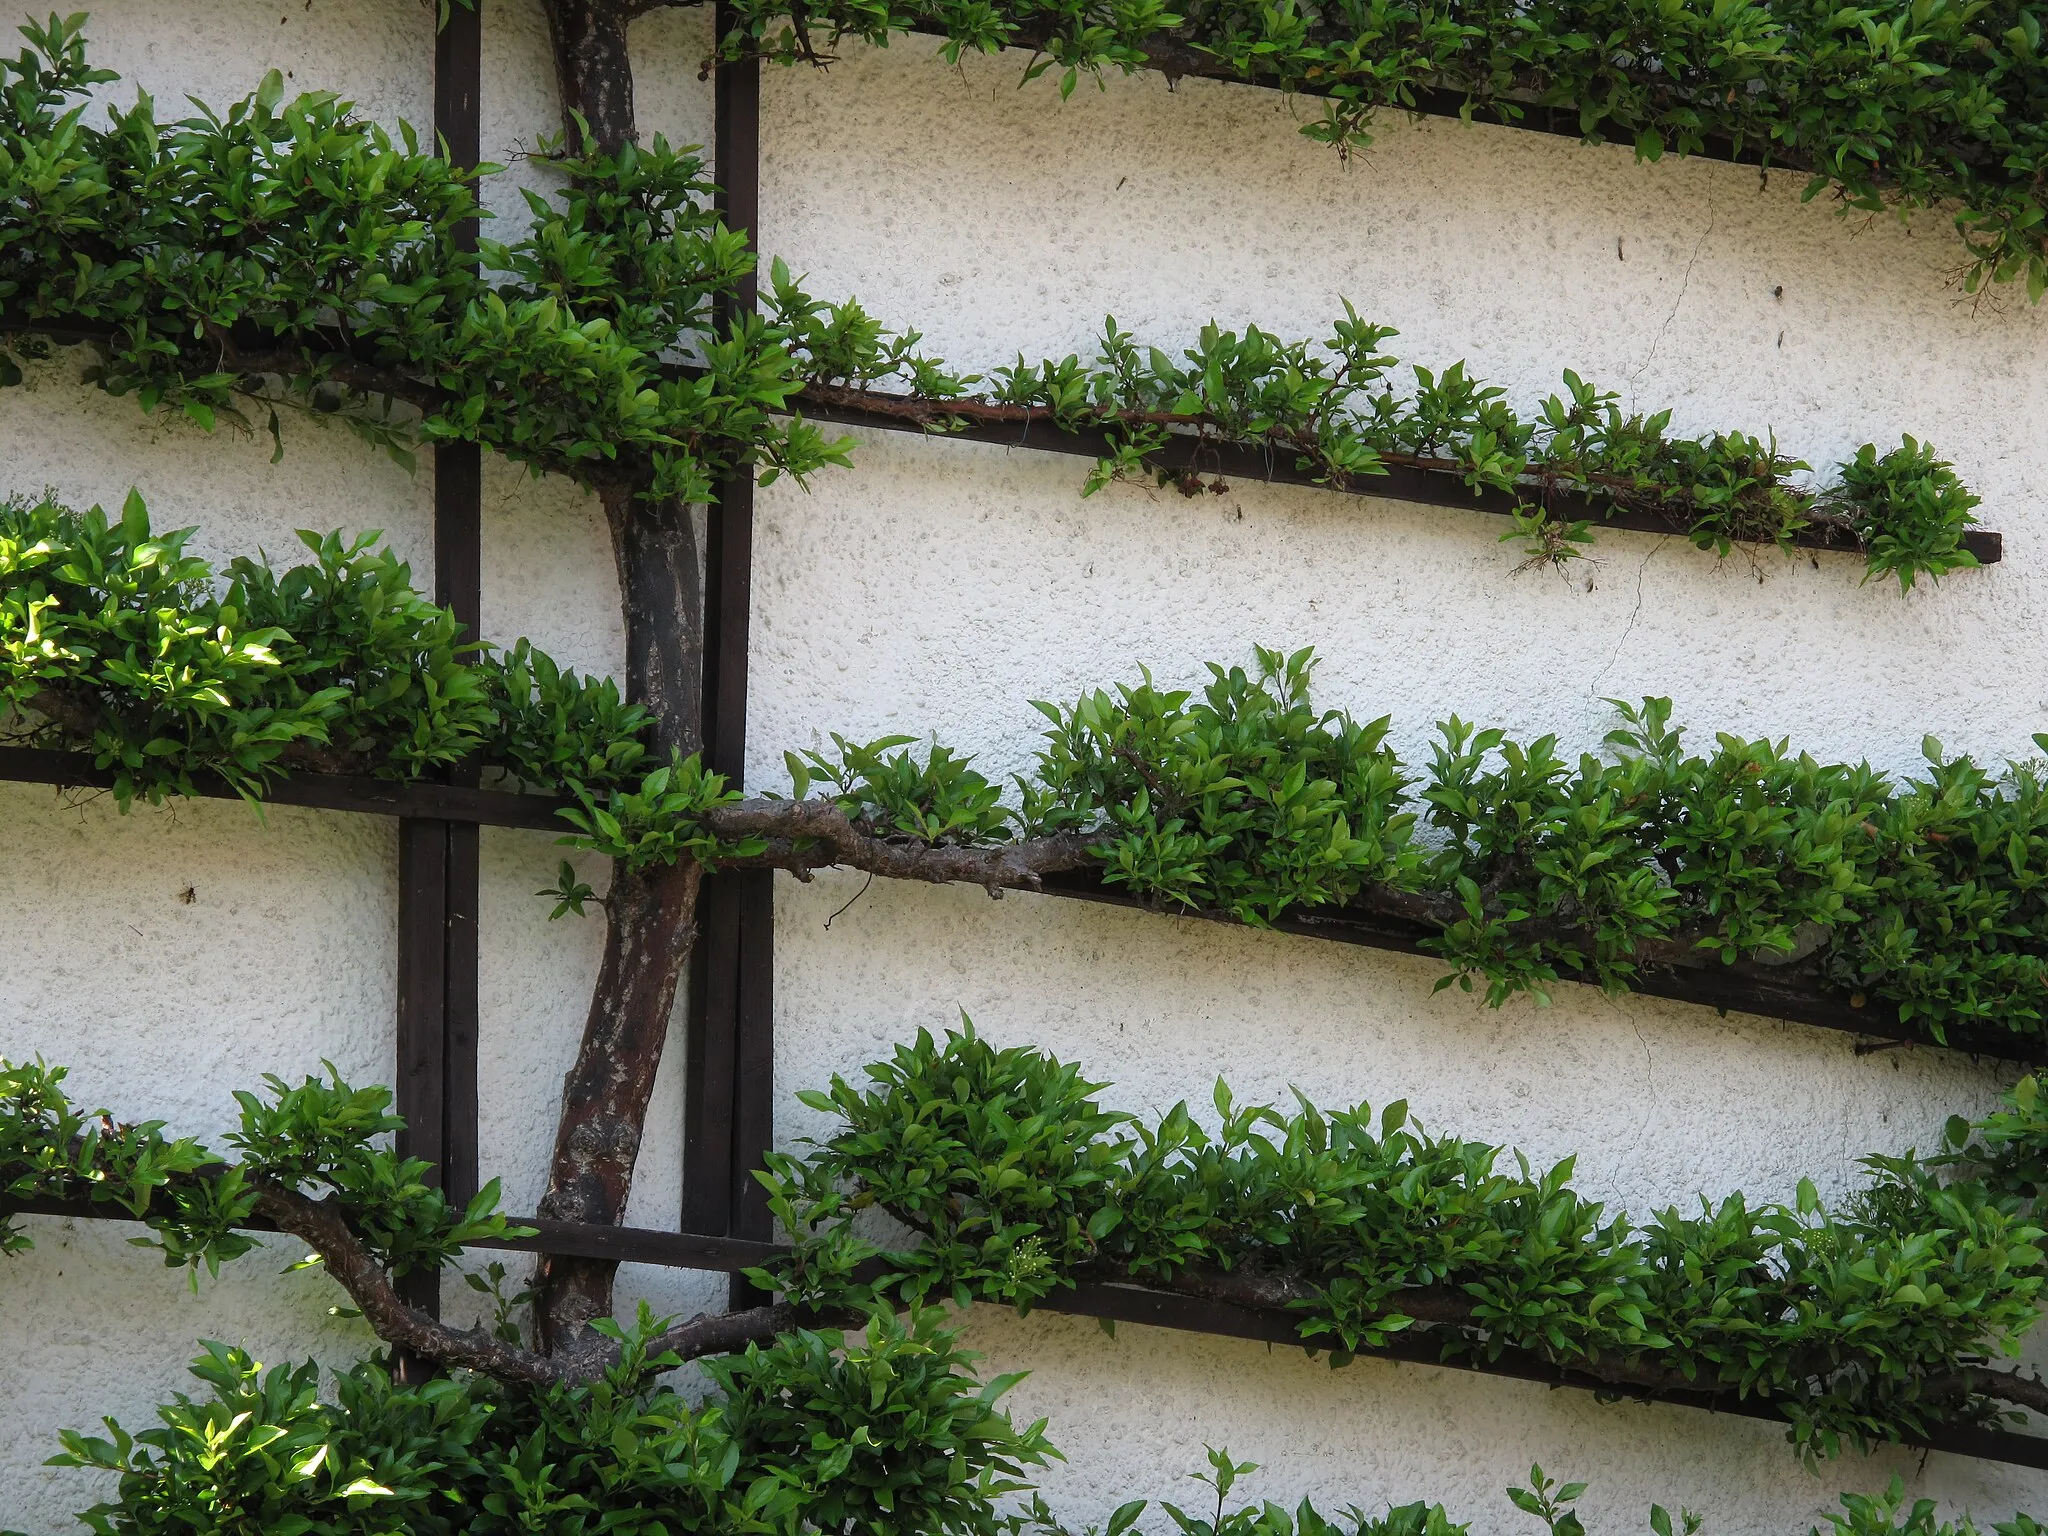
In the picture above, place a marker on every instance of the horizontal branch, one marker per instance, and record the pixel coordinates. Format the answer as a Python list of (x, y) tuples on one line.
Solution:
[(1519, 106), (246, 348), (323, 1226), (805, 836), (314, 791), (1215, 1303), (1431, 1307), (1770, 992), (1414, 480), (1154, 1308), (1421, 482)]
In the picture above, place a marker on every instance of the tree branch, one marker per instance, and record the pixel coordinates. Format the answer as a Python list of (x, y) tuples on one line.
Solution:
[(650, 931), (322, 353), (725, 1333), (323, 1226), (2028, 1392), (804, 835)]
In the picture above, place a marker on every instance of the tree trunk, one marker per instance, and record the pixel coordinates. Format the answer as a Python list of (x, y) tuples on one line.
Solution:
[(653, 916), (661, 590), (593, 71), (651, 924)]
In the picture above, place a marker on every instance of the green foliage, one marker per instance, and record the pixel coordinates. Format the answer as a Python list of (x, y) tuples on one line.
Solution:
[(1912, 106), (243, 235), (261, 225), (1331, 408), (940, 801), (319, 1138), (1264, 1518), (268, 1452), (49, 1149), (879, 1434), (1248, 801), (882, 1433), (1551, 1504), (1245, 799), (1017, 1182), (1888, 1514), (1528, 866), (115, 629), (112, 638)]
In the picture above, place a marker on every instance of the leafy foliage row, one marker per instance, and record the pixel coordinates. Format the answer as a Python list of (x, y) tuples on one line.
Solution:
[(1525, 865), (115, 639), (1528, 865), (1012, 1181), (291, 240), (321, 1135), (1915, 103), (285, 253), (1861, 1324), (1333, 410), (881, 1433)]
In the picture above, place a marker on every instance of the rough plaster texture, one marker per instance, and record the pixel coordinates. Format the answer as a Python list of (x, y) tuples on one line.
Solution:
[(940, 586)]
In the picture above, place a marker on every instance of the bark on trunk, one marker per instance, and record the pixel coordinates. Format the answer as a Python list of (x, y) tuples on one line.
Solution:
[(604, 1099), (652, 914), (593, 71), (651, 925), (661, 588)]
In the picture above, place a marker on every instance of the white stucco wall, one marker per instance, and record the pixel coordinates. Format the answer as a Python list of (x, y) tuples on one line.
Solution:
[(939, 586)]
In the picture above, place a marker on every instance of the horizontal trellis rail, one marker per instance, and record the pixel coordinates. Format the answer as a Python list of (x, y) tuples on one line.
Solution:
[(1150, 1308), (313, 791), (1423, 485), (1741, 989), (1745, 988)]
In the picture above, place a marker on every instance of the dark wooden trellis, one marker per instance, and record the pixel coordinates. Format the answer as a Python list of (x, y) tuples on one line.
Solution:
[(728, 1049), (729, 1031)]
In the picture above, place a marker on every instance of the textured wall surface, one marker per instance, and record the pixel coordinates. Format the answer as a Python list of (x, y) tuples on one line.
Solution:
[(939, 587)]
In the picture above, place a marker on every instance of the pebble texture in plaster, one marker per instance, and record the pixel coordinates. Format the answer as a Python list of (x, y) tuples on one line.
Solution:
[(1660, 1102), (1172, 208), (162, 1005), (940, 587), (1000, 219), (375, 53), (91, 447)]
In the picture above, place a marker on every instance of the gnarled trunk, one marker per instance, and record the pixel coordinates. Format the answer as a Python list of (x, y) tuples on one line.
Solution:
[(651, 916), (604, 1099)]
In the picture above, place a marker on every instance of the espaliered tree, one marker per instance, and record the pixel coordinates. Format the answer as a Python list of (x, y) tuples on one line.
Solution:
[(1862, 1325), (283, 256)]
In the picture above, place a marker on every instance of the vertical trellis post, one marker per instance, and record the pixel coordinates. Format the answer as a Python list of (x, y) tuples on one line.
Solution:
[(729, 1051), (438, 860)]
